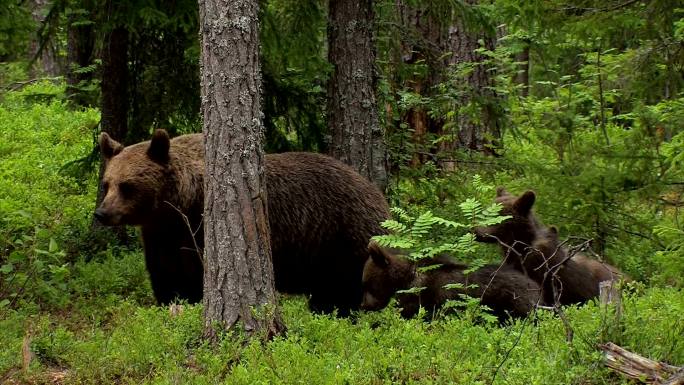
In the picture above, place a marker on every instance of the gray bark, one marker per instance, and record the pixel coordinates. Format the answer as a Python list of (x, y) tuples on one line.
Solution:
[(443, 41), (356, 135), (47, 62), (478, 133), (523, 76), (425, 44), (238, 279)]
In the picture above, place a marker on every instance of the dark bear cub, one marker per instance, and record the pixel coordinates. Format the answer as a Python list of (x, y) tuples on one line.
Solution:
[(504, 290), (561, 277), (535, 250), (321, 213), (517, 233)]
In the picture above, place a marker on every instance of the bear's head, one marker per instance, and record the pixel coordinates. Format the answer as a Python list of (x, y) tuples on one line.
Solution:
[(384, 274), (517, 231), (547, 247), (134, 179)]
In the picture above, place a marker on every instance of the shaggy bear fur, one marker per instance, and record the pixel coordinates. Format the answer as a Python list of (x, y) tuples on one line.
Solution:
[(536, 251), (548, 264), (503, 289), (321, 212)]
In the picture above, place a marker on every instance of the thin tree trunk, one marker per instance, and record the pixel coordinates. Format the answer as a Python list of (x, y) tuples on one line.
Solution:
[(80, 47), (523, 76), (239, 285), (356, 135), (47, 62), (114, 110)]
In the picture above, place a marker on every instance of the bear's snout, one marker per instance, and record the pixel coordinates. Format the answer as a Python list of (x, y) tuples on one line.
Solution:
[(484, 234), (370, 303), (105, 217)]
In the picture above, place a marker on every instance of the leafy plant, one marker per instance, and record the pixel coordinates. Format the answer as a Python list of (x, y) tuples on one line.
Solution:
[(427, 235)]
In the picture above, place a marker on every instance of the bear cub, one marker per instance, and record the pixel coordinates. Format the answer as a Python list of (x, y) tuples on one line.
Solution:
[(504, 290), (535, 250)]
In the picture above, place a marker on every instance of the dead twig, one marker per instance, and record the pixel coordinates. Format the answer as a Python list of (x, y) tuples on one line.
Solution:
[(19, 85), (192, 232)]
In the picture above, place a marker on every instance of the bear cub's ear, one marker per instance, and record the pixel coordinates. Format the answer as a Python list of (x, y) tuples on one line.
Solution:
[(501, 191), (378, 254), (552, 233), (524, 204), (108, 146), (159, 146)]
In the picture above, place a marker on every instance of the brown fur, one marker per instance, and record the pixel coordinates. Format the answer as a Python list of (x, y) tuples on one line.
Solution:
[(548, 264), (321, 212), (536, 251), (504, 290), (516, 234)]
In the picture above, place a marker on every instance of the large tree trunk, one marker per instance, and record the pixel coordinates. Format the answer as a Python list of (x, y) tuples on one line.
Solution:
[(239, 286), (441, 41), (426, 46), (356, 135), (482, 132), (114, 107)]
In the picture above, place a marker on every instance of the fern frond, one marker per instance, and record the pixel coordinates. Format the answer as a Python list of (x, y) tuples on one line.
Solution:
[(423, 224), (394, 240), (394, 226), (401, 214), (471, 208)]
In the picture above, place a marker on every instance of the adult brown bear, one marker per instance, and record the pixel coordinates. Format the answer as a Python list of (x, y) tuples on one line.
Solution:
[(322, 214)]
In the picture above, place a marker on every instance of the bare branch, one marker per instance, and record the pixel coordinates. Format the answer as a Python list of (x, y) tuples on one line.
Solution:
[(192, 232)]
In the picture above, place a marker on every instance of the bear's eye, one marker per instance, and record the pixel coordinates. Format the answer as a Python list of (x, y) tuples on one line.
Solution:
[(127, 189)]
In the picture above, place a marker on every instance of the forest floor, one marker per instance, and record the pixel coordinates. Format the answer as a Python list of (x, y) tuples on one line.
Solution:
[(76, 311)]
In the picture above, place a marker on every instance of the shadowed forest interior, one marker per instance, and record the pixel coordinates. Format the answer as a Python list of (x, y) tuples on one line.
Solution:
[(541, 140)]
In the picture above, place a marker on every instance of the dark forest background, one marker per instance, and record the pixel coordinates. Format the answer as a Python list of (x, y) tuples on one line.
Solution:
[(579, 100)]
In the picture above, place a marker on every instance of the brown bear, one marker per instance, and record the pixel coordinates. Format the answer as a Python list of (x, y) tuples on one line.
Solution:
[(561, 277), (503, 289), (322, 214), (536, 251), (515, 234)]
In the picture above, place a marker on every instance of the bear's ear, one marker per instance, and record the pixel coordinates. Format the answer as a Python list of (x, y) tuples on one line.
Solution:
[(501, 191), (377, 254), (108, 146), (552, 232), (159, 146), (523, 205)]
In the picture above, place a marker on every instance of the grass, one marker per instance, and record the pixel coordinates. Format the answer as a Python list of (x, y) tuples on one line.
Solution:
[(87, 316), (127, 343)]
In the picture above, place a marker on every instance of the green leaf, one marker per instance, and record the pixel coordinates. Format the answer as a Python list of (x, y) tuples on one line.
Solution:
[(52, 247), (413, 290), (454, 286), (7, 268)]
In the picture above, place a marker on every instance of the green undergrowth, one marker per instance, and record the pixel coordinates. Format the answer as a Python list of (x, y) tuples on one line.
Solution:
[(75, 312), (149, 345)]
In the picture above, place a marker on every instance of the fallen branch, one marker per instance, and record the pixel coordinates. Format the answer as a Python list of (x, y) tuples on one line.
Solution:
[(640, 368)]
